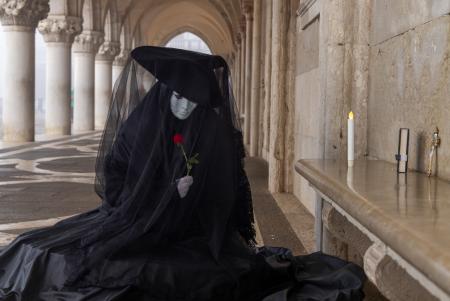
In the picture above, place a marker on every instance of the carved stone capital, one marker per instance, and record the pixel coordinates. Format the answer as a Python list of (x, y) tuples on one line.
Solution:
[(122, 58), (60, 28), (238, 39), (232, 59), (108, 51), (247, 8), (88, 41), (243, 24), (23, 12)]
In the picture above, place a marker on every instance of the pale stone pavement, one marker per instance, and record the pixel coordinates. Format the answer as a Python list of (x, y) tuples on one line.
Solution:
[(43, 182)]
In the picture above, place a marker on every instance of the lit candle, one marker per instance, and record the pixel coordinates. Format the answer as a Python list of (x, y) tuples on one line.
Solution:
[(351, 139)]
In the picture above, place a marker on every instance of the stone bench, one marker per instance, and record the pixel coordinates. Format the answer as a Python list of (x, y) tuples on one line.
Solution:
[(397, 226)]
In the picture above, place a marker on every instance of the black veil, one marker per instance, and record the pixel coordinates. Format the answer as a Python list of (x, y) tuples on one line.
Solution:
[(145, 242), (138, 162)]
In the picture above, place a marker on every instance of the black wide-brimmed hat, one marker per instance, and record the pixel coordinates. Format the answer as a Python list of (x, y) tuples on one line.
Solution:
[(191, 74)]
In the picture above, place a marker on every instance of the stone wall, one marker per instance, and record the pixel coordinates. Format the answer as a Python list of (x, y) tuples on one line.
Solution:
[(308, 107), (410, 79), (388, 61)]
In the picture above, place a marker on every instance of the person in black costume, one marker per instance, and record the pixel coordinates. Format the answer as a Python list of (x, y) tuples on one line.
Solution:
[(176, 220)]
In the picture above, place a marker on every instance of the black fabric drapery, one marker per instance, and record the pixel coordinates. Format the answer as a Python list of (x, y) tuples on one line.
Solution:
[(145, 242), (138, 162)]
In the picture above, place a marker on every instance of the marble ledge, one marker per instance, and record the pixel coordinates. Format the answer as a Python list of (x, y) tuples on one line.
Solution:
[(410, 212)]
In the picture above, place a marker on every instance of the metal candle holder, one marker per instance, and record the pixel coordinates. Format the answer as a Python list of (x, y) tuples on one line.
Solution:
[(435, 143)]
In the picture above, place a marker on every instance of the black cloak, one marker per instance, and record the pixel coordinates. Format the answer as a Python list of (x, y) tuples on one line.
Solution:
[(138, 162), (145, 242)]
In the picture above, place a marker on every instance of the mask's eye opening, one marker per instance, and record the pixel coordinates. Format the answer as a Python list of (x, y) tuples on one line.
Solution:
[(178, 96)]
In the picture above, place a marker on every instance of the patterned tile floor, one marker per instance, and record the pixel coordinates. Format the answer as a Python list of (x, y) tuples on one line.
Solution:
[(43, 182)]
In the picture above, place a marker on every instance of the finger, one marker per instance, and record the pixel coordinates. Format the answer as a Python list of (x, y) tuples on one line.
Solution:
[(184, 179), (182, 186), (182, 192), (188, 180)]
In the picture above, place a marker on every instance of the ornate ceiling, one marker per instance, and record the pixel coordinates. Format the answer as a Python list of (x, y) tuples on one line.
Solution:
[(155, 22)]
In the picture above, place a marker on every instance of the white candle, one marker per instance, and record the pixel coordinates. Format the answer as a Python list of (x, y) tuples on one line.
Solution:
[(351, 139)]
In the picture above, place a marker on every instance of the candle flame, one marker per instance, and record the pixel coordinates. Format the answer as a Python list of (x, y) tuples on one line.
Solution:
[(350, 115)]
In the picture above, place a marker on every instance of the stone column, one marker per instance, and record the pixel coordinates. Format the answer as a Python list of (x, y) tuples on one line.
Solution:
[(248, 70), (147, 81), (237, 72), (19, 20), (278, 93), (103, 81), (236, 82), (84, 51), (256, 79), (119, 64), (116, 71), (235, 78), (267, 77), (234, 72), (242, 78), (288, 109), (59, 33)]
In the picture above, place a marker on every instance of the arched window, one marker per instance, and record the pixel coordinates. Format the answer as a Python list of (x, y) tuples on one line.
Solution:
[(189, 41)]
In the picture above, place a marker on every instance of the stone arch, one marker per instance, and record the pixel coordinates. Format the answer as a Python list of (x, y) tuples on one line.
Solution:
[(230, 11), (136, 37), (91, 12), (185, 29), (74, 7), (159, 20), (108, 26), (126, 36), (111, 22), (122, 38)]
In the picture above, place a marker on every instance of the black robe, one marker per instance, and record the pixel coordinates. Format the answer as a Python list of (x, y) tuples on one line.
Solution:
[(146, 243)]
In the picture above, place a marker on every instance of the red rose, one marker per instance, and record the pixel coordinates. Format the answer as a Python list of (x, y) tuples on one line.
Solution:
[(178, 139)]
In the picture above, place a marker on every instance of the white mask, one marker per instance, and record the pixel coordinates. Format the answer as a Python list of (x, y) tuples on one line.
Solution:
[(180, 106)]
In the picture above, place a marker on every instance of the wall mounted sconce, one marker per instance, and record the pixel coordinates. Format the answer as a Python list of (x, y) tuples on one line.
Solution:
[(435, 143)]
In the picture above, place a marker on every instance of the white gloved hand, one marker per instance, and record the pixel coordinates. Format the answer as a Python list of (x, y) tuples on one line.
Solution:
[(183, 185)]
